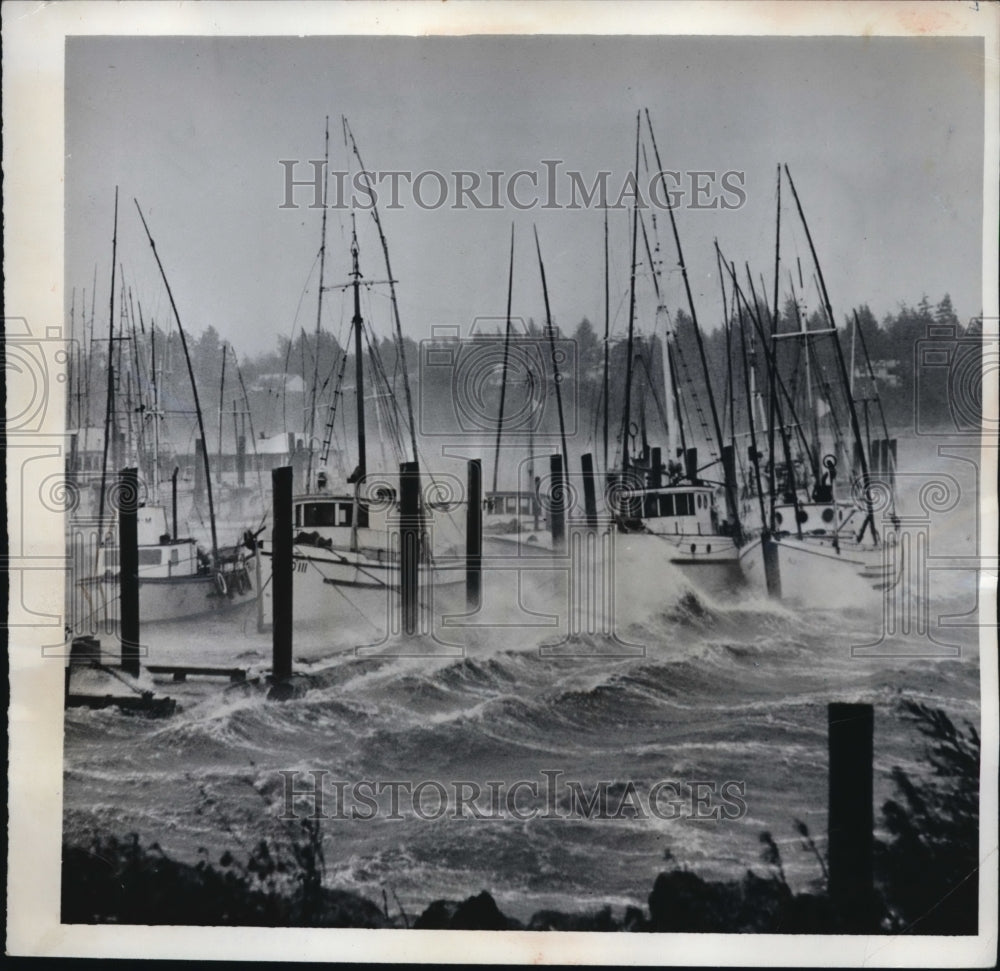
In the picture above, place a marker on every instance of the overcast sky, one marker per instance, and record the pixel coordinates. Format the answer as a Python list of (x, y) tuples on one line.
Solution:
[(883, 136)]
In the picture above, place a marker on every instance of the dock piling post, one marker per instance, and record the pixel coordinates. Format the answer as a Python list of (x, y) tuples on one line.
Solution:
[(557, 502), (474, 535), (128, 568), (281, 575), (851, 816), (409, 544), (589, 490)]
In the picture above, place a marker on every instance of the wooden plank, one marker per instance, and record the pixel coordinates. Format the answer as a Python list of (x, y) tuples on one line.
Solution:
[(181, 671)]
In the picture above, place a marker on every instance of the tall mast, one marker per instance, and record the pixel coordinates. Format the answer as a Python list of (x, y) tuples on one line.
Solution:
[(778, 385), (222, 404), (854, 337), (506, 350), (731, 401), (392, 293), (878, 401), (800, 319), (772, 394), (156, 405), (319, 317), (530, 383), (669, 375), (607, 329), (90, 354), (749, 388), (855, 426), (194, 391), (627, 416), (871, 373), (111, 377), (694, 313), (359, 369), (774, 380), (555, 362)]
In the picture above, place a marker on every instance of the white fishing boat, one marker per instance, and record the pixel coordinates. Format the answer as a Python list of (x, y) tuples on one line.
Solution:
[(815, 540), (346, 536), (829, 552), (178, 579), (346, 558), (669, 510)]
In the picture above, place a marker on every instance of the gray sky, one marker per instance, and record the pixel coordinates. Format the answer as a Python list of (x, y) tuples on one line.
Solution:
[(883, 136)]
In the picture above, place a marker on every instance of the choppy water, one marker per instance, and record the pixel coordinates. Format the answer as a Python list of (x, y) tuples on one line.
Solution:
[(726, 689)]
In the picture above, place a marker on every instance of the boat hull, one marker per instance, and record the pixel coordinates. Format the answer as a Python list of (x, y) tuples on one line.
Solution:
[(164, 599), (709, 562), (813, 572), (342, 588)]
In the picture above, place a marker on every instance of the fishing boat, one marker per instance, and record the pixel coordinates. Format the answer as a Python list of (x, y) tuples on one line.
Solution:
[(178, 578), (346, 542), (820, 536), (671, 510)]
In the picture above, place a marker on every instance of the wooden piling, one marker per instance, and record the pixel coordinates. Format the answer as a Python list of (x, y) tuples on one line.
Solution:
[(409, 545), (851, 816), (128, 568), (281, 574), (474, 536), (589, 490), (557, 502)]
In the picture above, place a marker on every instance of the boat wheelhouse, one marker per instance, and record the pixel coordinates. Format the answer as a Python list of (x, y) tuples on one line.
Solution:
[(686, 517), (514, 517)]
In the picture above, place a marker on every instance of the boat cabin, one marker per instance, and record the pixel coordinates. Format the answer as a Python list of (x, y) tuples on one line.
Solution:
[(673, 509), (160, 554), (505, 505), (324, 512), (315, 512), (814, 518)]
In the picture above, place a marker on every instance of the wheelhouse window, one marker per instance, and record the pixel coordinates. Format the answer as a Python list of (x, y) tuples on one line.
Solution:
[(150, 557), (320, 514), (684, 504)]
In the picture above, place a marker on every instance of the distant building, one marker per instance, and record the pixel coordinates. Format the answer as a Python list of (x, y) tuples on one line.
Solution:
[(288, 383), (884, 373)]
